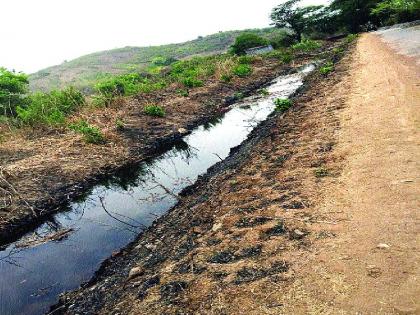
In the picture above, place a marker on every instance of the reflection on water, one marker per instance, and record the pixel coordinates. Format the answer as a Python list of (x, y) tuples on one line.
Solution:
[(66, 251)]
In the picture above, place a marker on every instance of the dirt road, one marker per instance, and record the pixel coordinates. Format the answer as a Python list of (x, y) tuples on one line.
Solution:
[(315, 214), (378, 193)]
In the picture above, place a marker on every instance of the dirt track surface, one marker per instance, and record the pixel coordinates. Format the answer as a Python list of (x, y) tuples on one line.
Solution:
[(378, 193)]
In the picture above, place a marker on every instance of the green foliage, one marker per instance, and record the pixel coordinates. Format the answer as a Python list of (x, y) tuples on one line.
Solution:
[(184, 93), (351, 38), (327, 68), (191, 82), (242, 70), (119, 124), (389, 12), (154, 110), (264, 92), (246, 41), (13, 87), (299, 19), (353, 14), (283, 56), (321, 172), (87, 70), (50, 108), (307, 45), (227, 78), (283, 104), (91, 134), (282, 40), (246, 60)]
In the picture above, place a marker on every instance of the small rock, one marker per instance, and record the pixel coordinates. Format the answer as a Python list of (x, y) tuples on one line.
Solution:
[(216, 227), (297, 234), (383, 246), (197, 230), (150, 246), (373, 271), (182, 131), (135, 272)]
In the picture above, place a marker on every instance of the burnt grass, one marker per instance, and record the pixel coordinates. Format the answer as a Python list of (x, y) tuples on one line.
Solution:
[(184, 258)]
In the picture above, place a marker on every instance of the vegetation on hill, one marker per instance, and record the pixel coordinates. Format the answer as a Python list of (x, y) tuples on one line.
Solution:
[(85, 71)]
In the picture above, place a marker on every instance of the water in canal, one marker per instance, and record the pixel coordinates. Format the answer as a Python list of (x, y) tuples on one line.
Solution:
[(33, 272)]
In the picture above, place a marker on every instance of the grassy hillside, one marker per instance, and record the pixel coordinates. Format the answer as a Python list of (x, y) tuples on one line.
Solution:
[(84, 71)]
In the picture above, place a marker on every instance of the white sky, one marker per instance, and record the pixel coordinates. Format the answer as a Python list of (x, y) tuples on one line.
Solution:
[(35, 34)]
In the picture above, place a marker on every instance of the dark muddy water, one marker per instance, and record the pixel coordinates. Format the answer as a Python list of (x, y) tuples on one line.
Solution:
[(34, 272)]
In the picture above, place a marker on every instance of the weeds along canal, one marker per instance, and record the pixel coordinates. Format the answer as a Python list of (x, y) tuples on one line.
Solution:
[(64, 252)]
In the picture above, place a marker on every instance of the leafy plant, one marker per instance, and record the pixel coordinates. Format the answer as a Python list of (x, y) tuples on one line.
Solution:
[(91, 134), (321, 172), (184, 93), (264, 92), (351, 38), (13, 87), (119, 124), (246, 41), (226, 78), (306, 45), (283, 104), (242, 70), (246, 60), (327, 68), (154, 110), (50, 108), (192, 82)]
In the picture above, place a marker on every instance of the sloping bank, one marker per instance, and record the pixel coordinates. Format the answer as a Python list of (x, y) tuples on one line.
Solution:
[(44, 171), (237, 233)]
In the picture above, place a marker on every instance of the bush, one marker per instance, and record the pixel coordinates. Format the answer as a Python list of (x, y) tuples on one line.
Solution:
[(282, 104), (246, 60), (242, 70), (283, 56), (282, 40), (13, 87), (91, 134), (327, 68), (246, 41), (351, 37), (50, 108), (191, 82), (306, 45), (154, 110)]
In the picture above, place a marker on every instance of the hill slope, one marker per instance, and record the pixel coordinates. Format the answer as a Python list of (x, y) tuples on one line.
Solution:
[(83, 71)]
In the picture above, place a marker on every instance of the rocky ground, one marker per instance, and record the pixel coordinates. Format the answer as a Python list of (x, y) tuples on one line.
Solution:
[(314, 214)]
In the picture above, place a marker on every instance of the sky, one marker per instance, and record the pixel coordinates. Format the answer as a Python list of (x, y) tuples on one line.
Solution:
[(36, 34)]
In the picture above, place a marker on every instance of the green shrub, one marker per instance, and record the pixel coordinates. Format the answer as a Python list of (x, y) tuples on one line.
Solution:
[(184, 93), (242, 70), (321, 172), (351, 37), (246, 60), (154, 110), (91, 134), (283, 104), (306, 45), (327, 68), (246, 41), (13, 87), (282, 40), (226, 78), (283, 56), (119, 124), (192, 82), (50, 108), (264, 92)]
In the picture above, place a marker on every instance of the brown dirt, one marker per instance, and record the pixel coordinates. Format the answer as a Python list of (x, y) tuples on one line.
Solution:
[(291, 223), (49, 168)]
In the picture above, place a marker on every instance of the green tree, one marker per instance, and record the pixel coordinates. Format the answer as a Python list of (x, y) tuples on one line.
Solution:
[(353, 14), (299, 19), (13, 88), (396, 11), (246, 41)]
